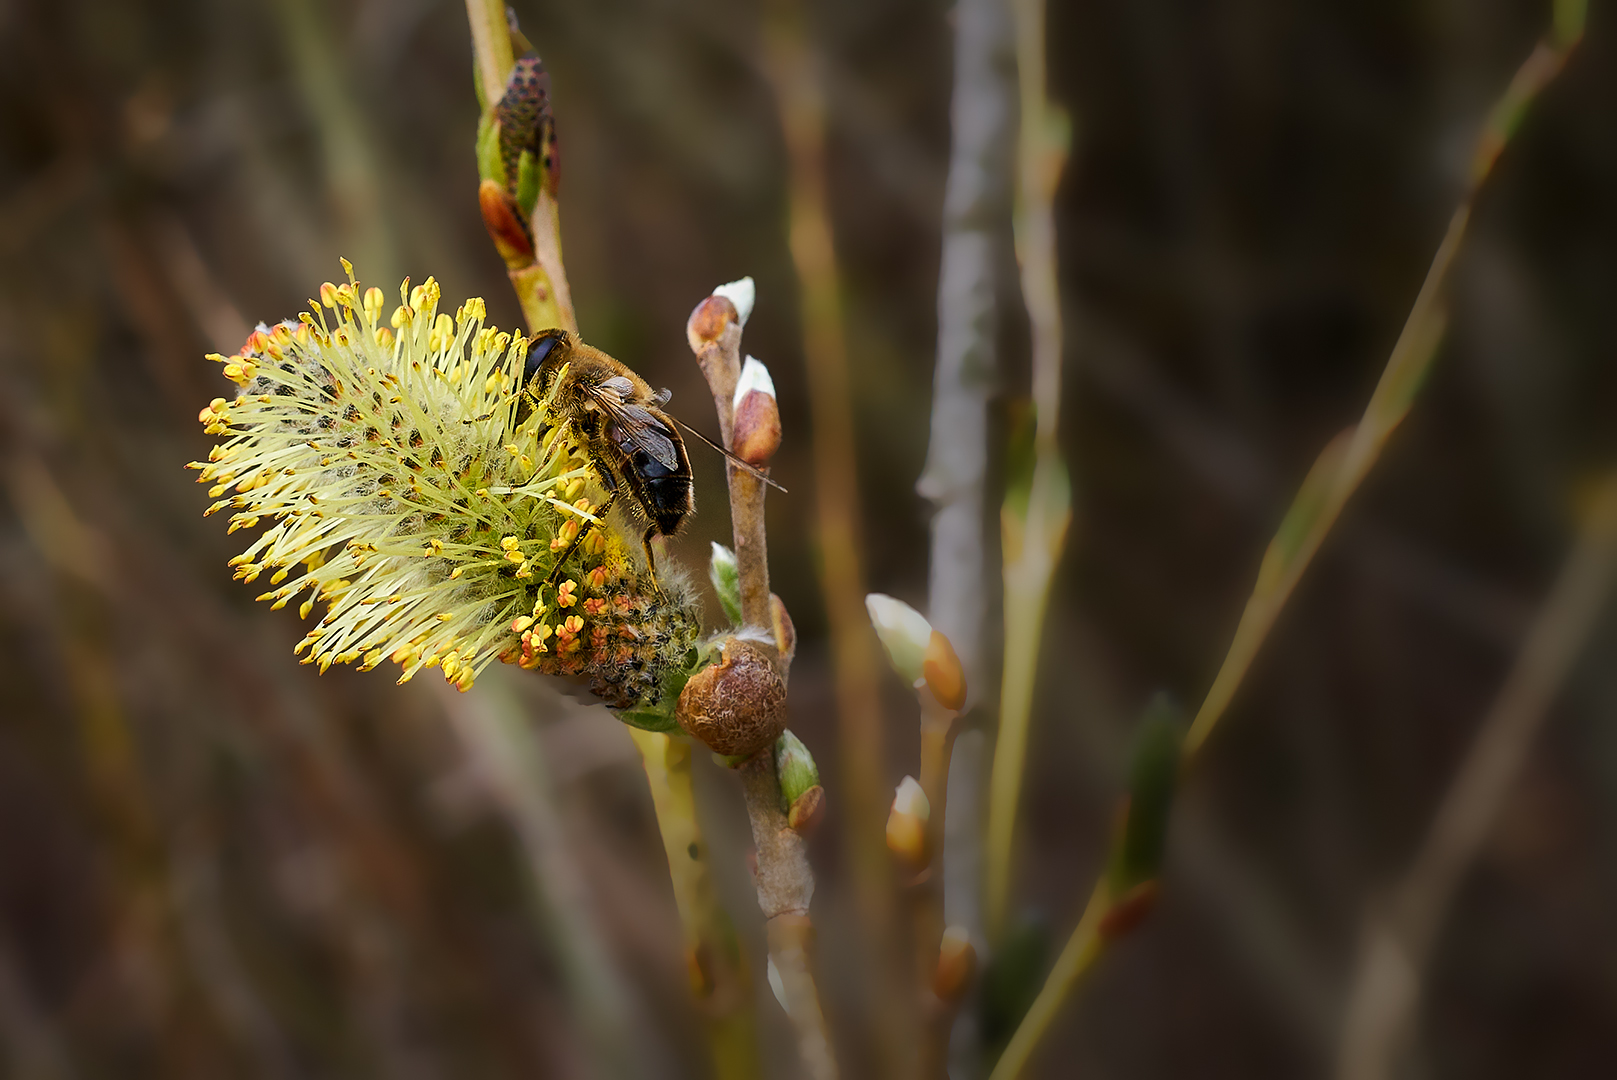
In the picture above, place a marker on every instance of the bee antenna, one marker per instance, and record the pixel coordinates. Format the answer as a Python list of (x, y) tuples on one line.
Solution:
[(737, 462)]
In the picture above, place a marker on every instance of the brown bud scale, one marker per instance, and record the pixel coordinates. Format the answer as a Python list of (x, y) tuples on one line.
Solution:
[(709, 320), (757, 428), (505, 225)]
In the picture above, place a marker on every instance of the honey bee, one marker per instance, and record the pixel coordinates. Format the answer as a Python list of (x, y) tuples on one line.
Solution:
[(618, 418)]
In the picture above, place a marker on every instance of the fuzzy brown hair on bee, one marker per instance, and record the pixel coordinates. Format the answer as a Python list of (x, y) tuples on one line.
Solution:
[(617, 418)]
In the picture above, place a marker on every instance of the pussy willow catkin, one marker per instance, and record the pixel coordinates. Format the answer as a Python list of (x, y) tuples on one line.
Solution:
[(398, 490)]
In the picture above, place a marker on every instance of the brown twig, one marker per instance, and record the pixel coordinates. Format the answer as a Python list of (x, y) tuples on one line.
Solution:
[(926, 894), (714, 334), (784, 880)]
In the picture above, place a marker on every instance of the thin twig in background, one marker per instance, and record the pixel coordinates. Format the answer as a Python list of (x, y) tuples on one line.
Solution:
[(801, 101), (784, 879), (957, 454), (1335, 475), (1038, 508), (359, 203), (1397, 939), (1343, 464)]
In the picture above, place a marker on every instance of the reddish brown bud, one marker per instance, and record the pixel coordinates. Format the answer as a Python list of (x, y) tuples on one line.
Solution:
[(1129, 910), (785, 632), (807, 811), (757, 428), (736, 707), (503, 219), (906, 826), (757, 415), (943, 673), (709, 321), (957, 965)]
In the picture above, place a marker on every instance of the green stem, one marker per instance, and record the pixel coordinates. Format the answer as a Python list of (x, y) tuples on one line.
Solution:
[(1036, 531), (491, 49), (718, 970)]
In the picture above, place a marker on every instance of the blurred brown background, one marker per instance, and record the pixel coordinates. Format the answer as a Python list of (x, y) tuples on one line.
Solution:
[(214, 863)]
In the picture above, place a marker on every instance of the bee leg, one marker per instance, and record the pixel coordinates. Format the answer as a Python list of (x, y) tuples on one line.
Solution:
[(651, 560), (599, 512)]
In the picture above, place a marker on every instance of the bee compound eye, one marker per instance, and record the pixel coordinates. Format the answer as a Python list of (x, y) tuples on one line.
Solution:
[(540, 351)]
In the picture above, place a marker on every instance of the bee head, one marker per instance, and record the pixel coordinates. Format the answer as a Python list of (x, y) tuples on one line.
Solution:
[(547, 353)]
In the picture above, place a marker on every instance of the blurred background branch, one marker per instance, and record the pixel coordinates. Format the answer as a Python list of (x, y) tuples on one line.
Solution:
[(965, 378), (1038, 499), (1336, 474), (1399, 936)]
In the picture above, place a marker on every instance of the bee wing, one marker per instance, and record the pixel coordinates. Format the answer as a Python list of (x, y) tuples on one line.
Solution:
[(639, 428)]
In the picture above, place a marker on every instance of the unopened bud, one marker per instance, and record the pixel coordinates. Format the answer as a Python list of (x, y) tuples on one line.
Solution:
[(504, 224), (807, 810), (904, 633), (944, 675), (741, 293), (785, 632), (736, 707), (957, 965), (726, 578), (757, 415), (709, 321), (795, 767), (906, 824), (1129, 910), (1153, 774)]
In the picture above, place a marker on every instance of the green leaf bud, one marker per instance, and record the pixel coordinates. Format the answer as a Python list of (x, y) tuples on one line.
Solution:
[(904, 633), (726, 578), (1153, 775)]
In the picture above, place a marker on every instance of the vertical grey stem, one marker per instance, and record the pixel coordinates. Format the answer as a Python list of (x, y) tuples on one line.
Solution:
[(975, 211)]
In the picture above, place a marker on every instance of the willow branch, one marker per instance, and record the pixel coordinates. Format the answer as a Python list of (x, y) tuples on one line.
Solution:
[(492, 54), (1318, 503), (714, 334), (530, 245), (784, 879)]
